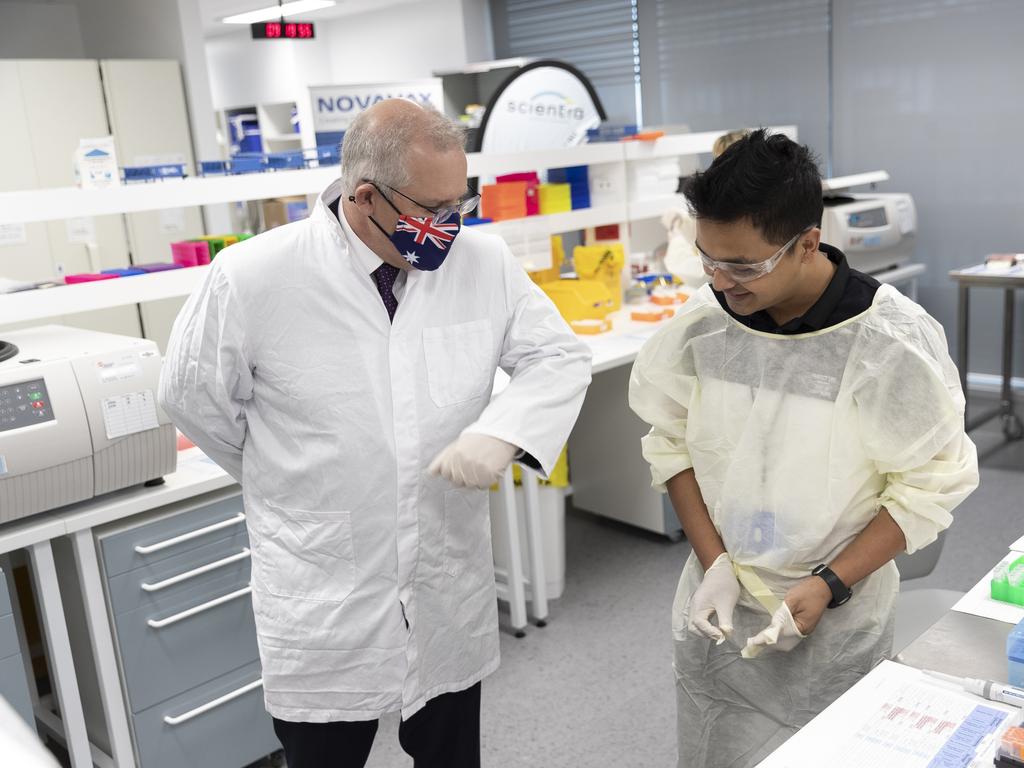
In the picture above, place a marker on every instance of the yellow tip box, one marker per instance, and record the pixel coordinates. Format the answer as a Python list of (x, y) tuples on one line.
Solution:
[(580, 299)]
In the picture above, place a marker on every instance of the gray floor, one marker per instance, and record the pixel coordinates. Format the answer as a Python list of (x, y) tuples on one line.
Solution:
[(594, 688)]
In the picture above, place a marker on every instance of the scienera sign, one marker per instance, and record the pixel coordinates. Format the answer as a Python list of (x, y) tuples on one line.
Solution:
[(336, 106), (547, 104)]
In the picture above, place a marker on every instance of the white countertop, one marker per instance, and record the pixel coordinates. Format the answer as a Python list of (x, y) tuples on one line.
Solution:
[(196, 474)]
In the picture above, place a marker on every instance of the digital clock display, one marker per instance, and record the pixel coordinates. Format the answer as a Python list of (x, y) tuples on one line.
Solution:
[(283, 30)]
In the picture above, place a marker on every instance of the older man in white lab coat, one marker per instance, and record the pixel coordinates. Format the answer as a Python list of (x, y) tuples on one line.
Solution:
[(341, 368)]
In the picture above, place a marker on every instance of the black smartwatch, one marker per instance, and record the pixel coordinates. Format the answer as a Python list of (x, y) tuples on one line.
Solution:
[(840, 592)]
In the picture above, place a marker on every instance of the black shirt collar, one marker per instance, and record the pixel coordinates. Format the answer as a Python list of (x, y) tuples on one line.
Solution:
[(816, 318)]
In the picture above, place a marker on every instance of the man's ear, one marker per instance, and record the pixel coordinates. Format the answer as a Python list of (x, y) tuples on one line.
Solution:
[(808, 244), (362, 197)]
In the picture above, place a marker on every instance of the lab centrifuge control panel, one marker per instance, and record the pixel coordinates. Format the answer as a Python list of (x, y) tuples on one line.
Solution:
[(24, 404), (875, 217)]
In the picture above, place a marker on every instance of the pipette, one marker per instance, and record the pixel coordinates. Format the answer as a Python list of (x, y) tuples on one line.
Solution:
[(987, 689)]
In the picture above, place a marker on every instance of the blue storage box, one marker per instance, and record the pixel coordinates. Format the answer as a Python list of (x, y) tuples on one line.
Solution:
[(1015, 655), (277, 161), (247, 163), (213, 167), (153, 172)]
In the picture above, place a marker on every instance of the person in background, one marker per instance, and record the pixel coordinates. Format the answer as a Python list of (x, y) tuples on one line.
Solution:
[(340, 368), (808, 425)]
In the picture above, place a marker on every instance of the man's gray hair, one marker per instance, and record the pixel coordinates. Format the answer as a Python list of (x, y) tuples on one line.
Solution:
[(376, 149)]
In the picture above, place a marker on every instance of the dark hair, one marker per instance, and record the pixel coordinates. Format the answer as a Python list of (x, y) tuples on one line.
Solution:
[(766, 178)]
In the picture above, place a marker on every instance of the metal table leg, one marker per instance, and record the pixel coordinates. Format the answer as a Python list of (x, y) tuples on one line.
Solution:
[(102, 641), (516, 587), (538, 577), (61, 661), (961, 342), (1012, 427)]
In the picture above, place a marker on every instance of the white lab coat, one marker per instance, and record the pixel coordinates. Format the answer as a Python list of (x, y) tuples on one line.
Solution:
[(372, 581)]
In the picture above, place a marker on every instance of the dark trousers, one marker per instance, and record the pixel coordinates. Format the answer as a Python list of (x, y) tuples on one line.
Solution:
[(444, 734)]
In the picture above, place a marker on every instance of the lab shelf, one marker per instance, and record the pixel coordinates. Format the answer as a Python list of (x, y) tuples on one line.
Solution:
[(555, 223), (83, 297), (654, 207), (71, 202), (28, 206)]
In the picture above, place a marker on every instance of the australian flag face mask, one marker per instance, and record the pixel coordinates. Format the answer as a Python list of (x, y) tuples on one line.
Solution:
[(420, 240)]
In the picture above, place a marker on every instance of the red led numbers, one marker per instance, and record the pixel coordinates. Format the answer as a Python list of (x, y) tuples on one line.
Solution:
[(283, 30)]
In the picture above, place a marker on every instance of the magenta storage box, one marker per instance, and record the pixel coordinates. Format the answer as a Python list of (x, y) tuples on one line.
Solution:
[(532, 182), (87, 278), (190, 254)]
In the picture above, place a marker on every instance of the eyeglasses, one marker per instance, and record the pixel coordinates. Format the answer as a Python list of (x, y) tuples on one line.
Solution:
[(745, 273), (462, 208)]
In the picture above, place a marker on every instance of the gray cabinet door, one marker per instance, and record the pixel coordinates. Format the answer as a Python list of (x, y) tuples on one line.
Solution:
[(162, 661), (224, 731), (170, 535), (14, 687), (5, 599), (171, 581), (8, 637)]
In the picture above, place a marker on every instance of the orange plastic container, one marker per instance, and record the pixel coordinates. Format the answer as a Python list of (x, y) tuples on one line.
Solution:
[(504, 201)]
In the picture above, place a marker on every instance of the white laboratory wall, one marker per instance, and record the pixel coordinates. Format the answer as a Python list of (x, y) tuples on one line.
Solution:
[(406, 40), (245, 72), (34, 29), (931, 91), (401, 43)]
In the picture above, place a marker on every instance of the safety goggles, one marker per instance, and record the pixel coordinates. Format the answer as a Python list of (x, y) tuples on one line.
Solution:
[(744, 273), (464, 207)]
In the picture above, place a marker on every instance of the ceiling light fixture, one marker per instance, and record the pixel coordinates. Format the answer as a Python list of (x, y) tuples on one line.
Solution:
[(278, 11)]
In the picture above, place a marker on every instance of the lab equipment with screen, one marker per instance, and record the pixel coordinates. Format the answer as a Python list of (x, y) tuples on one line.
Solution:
[(874, 229), (78, 418)]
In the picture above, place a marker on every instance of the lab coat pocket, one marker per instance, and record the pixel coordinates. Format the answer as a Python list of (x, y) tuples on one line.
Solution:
[(467, 534), (460, 361), (304, 554)]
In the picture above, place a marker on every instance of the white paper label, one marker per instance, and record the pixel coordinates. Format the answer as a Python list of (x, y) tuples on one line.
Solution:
[(172, 221), (81, 230), (3, 464), (128, 414), (96, 163), (13, 234), (119, 373)]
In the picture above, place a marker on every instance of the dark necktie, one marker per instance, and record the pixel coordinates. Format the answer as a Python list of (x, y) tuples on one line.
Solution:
[(385, 275)]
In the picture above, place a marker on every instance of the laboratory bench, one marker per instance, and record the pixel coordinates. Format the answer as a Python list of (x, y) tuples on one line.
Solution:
[(1008, 282)]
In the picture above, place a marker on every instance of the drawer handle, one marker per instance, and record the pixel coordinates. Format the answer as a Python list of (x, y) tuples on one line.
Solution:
[(186, 716), (150, 548), (161, 623), (195, 572)]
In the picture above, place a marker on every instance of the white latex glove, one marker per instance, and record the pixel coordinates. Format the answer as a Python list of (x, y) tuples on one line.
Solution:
[(718, 593), (474, 461), (781, 635)]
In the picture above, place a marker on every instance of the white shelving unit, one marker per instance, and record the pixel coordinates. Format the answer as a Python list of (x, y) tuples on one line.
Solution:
[(32, 206), (103, 294), (71, 202)]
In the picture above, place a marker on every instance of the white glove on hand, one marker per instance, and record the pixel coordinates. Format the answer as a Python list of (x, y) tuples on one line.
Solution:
[(781, 635), (718, 593), (474, 461)]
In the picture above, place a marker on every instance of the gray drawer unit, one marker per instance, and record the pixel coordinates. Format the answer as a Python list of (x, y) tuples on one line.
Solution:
[(8, 637), (170, 581), (221, 724), (5, 599), (14, 687), (166, 652), (180, 528)]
